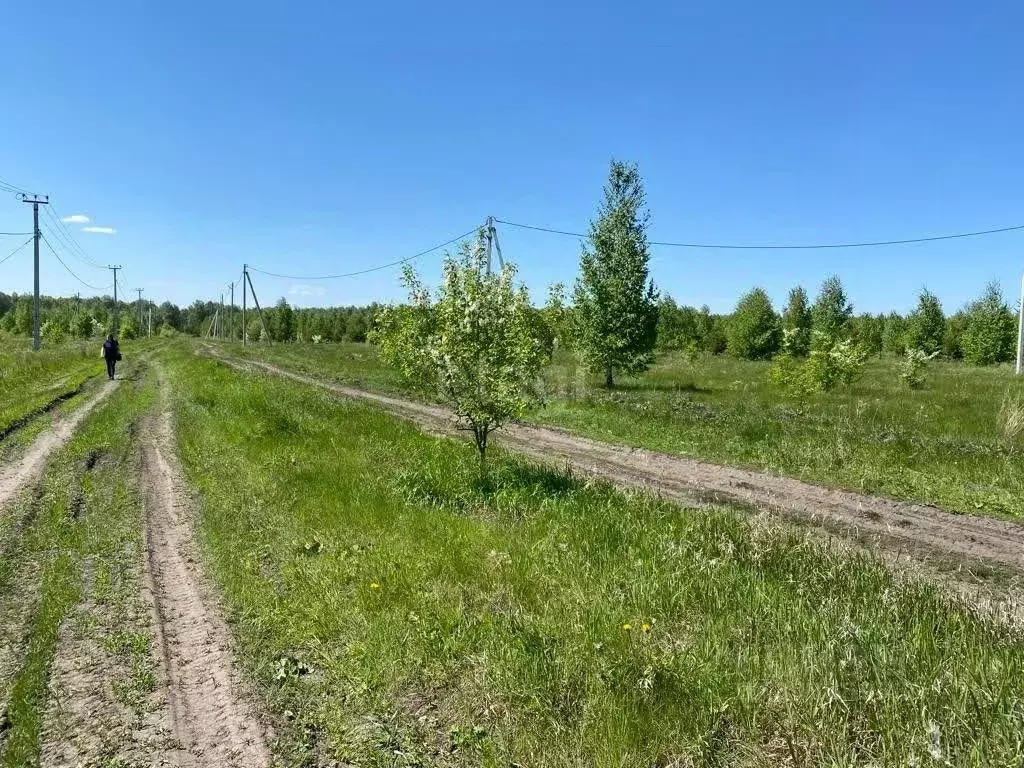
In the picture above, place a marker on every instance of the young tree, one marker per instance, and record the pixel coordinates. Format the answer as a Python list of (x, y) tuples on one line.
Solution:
[(926, 325), (557, 316), (753, 331), (894, 334), (473, 344), (953, 337), (616, 305), (989, 334), (796, 323), (831, 312)]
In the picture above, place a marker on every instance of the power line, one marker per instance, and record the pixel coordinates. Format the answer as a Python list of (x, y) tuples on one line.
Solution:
[(70, 242), (15, 251), (16, 234), (371, 269), (69, 270), (812, 246)]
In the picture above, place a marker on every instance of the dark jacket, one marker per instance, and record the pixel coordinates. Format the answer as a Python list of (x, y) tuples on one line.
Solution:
[(111, 349)]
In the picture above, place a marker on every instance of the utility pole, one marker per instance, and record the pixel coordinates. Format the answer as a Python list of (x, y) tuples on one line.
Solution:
[(36, 201), (139, 291), (245, 294), (220, 327), (231, 317), (490, 233), (1020, 332), (256, 301), (149, 333), (117, 312)]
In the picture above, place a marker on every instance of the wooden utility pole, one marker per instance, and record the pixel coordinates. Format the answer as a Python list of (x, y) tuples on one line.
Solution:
[(117, 312), (490, 233), (231, 317), (1020, 332), (245, 293), (256, 301), (141, 323), (149, 333), (36, 201)]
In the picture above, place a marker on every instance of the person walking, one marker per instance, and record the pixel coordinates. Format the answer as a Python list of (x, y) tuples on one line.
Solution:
[(111, 353)]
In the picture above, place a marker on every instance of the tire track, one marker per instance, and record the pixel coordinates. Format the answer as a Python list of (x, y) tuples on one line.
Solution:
[(212, 723), (15, 475), (888, 524)]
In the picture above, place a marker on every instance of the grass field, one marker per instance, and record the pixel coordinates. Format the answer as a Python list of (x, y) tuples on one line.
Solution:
[(30, 381), (942, 444), (394, 609)]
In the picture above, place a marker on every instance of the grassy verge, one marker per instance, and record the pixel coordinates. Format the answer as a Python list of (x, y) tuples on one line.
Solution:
[(31, 381), (395, 610), (943, 444), (75, 537)]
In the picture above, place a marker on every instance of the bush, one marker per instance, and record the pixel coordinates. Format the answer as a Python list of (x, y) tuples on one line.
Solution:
[(926, 325), (796, 323), (753, 330), (832, 311), (912, 367), (990, 329), (829, 365)]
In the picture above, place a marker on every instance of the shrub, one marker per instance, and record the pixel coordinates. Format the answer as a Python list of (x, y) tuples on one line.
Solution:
[(912, 367), (989, 330), (753, 330), (829, 365), (926, 325), (831, 312), (796, 323)]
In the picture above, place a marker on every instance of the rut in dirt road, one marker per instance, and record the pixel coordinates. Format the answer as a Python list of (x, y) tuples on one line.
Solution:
[(17, 474), (892, 525), (213, 724)]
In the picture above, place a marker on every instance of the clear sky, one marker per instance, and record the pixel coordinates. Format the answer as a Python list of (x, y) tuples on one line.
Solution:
[(320, 137)]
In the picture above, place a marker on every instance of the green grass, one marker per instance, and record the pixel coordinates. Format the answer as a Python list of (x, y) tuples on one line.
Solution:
[(941, 445), (85, 511), (395, 610), (30, 381)]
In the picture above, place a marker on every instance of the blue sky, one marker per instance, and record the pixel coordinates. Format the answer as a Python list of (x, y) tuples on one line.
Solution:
[(328, 137)]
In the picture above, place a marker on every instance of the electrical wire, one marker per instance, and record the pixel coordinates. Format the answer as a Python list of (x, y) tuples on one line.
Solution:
[(69, 270), (15, 251), (69, 240), (811, 246), (16, 234), (371, 269)]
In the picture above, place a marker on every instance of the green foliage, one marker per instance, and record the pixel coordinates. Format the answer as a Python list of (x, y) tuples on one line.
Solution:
[(831, 364), (753, 330), (474, 345), (616, 310), (894, 334), (84, 326), (912, 368), (868, 333), (953, 336), (831, 312), (557, 317), (990, 329), (796, 323), (926, 325), (54, 331)]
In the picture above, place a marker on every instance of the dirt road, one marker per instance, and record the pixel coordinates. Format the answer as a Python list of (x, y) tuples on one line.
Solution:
[(210, 718), (891, 525), (15, 475)]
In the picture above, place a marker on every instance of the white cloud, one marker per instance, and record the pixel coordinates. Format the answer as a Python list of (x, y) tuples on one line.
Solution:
[(78, 218), (307, 290), (100, 230)]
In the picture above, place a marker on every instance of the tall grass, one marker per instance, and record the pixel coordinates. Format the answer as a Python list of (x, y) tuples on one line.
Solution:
[(31, 380), (943, 444), (396, 610)]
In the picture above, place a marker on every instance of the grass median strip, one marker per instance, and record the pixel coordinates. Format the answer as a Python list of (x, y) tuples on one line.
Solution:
[(396, 609)]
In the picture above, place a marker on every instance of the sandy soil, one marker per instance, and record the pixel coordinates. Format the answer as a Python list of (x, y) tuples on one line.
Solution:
[(211, 719)]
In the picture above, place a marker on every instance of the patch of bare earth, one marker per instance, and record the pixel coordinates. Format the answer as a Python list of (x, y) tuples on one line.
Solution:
[(209, 714), (104, 708)]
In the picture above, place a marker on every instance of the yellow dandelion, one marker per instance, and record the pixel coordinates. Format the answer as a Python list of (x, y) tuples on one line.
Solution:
[(375, 585), (627, 626), (645, 627)]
